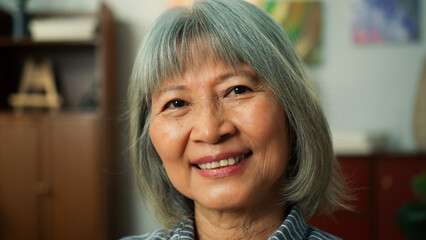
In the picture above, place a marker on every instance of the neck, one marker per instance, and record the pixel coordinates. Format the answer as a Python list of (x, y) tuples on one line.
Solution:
[(258, 223)]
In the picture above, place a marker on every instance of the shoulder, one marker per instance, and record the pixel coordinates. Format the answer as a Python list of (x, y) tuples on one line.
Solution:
[(314, 233), (185, 229), (295, 227)]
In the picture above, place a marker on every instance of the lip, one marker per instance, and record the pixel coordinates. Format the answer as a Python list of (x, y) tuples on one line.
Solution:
[(224, 171)]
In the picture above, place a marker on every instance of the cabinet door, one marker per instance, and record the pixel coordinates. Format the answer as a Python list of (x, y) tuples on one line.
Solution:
[(393, 184), (19, 156), (346, 224), (75, 172)]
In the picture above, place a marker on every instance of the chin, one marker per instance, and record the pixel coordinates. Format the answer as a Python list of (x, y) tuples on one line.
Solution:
[(225, 201)]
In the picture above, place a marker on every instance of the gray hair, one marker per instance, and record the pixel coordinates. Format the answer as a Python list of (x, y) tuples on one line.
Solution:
[(234, 32)]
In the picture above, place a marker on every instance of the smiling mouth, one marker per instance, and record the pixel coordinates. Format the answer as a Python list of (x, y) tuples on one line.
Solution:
[(223, 163)]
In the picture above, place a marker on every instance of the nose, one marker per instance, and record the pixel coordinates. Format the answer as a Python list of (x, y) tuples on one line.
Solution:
[(211, 124)]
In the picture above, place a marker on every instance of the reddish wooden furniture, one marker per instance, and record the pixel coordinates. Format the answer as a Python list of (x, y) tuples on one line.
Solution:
[(382, 184)]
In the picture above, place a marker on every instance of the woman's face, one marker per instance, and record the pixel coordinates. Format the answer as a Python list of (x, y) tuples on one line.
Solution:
[(221, 135)]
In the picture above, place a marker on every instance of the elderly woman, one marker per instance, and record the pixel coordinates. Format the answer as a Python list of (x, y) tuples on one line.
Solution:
[(228, 140)]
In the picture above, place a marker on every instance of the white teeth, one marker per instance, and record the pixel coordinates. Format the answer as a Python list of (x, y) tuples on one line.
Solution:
[(222, 163), (215, 164)]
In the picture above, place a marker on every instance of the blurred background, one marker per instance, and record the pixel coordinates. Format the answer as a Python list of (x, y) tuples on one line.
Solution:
[(64, 170)]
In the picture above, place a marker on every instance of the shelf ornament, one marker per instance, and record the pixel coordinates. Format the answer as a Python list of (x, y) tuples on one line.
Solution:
[(37, 88)]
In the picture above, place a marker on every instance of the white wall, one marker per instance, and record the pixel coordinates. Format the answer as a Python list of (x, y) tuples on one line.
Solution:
[(363, 88), (368, 88)]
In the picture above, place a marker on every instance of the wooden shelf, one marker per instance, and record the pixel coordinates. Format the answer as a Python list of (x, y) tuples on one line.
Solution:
[(53, 164), (9, 114), (6, 41)]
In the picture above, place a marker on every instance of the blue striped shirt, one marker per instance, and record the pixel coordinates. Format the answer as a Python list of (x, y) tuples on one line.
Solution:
[(293, 227)]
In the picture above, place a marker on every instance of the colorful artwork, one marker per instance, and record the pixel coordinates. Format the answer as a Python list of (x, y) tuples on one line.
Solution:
[(378, 21), (300, 19), (302, 22), (176, 3)]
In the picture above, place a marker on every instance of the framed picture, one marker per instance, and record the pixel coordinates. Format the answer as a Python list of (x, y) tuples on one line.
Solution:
[(302, 22), (385, 21), (300, 19), (176, 3)]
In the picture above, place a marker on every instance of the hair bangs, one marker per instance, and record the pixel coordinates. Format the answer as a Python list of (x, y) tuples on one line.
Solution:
[(188, 43)]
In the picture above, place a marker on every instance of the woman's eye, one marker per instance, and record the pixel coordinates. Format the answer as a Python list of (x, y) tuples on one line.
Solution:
[(175, 103), (239, 90)]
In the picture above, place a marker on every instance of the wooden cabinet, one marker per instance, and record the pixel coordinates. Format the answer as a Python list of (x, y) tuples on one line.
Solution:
[(19, 205), (50, 177), (352, 225), (381, 185), (393, 189), (55, 180)]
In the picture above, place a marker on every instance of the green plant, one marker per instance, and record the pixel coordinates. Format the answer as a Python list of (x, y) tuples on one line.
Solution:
[(419, 186), (411, 217)]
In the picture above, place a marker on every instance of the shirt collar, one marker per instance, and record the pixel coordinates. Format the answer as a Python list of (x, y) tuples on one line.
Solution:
[(293, 227)]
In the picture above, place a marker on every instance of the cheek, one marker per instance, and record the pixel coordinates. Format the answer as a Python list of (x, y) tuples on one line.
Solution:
[(168, 139), (264, 125), (262, 119)]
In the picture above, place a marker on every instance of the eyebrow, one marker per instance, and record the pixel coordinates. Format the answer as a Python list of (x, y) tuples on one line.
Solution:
[(221, 78)]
